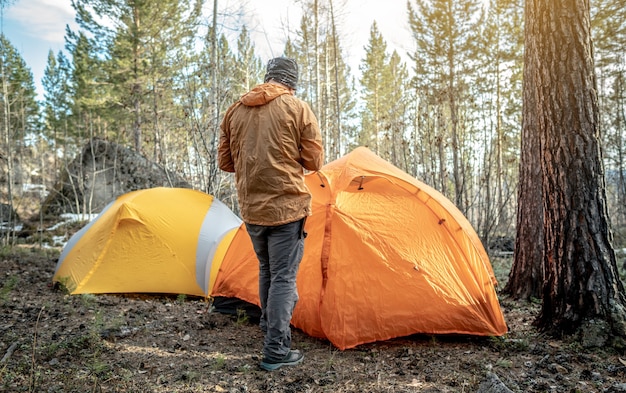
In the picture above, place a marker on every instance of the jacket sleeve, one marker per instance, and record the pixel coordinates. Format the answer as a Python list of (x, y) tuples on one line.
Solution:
[(224, 155), (311, 149)]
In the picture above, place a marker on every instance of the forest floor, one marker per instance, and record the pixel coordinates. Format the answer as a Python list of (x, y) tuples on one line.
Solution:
[(54, 342)]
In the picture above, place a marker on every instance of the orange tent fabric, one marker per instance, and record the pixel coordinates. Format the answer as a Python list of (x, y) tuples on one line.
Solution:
[(386, 256)]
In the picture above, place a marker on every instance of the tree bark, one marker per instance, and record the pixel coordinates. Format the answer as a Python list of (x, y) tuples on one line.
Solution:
[(582, 293), (526, 276)]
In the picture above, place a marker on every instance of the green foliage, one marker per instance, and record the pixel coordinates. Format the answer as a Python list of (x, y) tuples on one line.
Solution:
[(501, 268), (57, 97), (249, 71), (504, 363), (242, 317), (219, 362), (99, 368), (191, 375), (446, 32), (88, 300), (5, 251), (89, 342), (513, 345), (535, 300), (325, 80), (8, 286), (385, 114), (128, 71), (88, 346), (25, 253), (20, 103), (63, 285)]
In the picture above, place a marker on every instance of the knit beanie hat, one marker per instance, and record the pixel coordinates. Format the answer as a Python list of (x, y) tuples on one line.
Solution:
[(283, 70)]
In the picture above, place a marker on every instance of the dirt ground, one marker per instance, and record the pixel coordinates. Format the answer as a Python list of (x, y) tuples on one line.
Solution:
[(54, 342)]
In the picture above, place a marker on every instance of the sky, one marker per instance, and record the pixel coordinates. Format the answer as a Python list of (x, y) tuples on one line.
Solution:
[(35, 27)]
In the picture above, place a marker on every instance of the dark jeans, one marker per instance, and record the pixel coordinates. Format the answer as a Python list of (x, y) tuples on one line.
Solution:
[(279, 250)]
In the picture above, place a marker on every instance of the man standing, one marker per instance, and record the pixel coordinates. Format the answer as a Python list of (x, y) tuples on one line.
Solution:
[(268, 138)]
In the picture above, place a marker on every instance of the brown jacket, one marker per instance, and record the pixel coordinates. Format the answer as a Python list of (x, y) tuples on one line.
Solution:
[(267, 138)]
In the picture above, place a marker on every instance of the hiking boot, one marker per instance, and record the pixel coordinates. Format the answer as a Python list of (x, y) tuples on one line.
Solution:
[(293, 357)]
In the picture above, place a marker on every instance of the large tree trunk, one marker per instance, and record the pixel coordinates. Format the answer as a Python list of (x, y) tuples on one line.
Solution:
[(582, 292)]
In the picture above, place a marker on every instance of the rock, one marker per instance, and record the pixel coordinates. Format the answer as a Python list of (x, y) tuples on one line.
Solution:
[(594, 333), (557, 369), (100, 173), (492, 384), (617, 388)]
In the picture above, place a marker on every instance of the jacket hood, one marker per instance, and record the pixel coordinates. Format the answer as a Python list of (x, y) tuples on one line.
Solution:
[(264, 93)]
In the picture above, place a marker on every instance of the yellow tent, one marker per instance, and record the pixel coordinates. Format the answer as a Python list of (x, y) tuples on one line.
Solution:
[(386, 256), (158, 240)]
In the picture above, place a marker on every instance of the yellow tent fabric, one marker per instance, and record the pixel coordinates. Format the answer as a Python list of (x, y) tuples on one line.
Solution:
[(158, 240), (386, 256)]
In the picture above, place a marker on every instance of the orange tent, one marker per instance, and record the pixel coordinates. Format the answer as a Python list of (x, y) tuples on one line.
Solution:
[(386, 256)]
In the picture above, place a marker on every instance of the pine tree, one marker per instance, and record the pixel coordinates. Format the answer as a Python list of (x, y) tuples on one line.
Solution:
[(21, 90), (397, 140), (582, 292), (21, 115), (89, 91), (324, 82), (374, 80), (339, 99), (143, 45), (19, 123), (385, 84), (57, 104), (249, 70), (445, 35)]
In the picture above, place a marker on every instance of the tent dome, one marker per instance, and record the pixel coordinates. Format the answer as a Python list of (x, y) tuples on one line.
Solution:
[(386, 256)]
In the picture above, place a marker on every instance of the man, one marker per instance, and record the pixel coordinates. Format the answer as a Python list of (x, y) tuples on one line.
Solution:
[(268, 138)]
